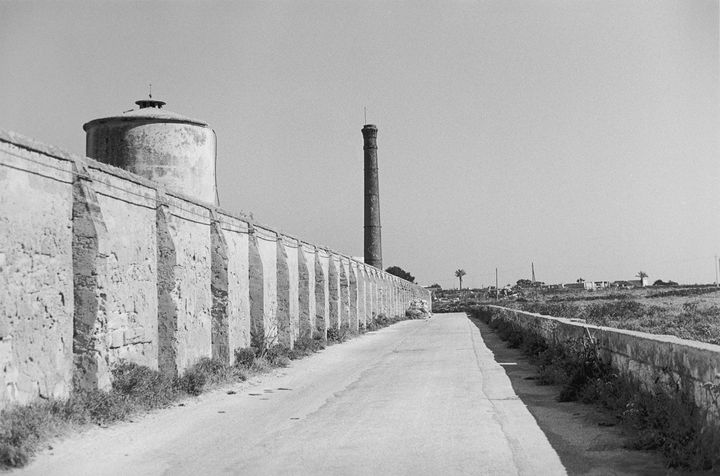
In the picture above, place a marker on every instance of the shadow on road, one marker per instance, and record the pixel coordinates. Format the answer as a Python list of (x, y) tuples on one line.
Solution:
[(584, 436)]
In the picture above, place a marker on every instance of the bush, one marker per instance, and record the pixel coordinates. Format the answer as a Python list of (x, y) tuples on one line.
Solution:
[(382, 320), (278, 355), (245, 356), (22, 428), (192, 382), (147, 388), (306, 346), (95, 406), (205, 371), (336, 335), (414, 314)]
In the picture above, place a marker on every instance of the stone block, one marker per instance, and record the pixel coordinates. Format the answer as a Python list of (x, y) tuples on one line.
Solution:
[(117, 338)]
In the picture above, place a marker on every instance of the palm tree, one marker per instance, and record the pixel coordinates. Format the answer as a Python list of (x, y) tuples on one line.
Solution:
[(459, 274)]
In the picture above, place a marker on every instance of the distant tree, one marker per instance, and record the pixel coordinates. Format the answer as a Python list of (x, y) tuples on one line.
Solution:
[(580, 280), (660, 282), (524, 283), (459, 274), (435, 286), (400, 273)]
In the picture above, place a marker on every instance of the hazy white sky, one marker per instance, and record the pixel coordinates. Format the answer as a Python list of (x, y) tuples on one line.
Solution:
[(581, 135)]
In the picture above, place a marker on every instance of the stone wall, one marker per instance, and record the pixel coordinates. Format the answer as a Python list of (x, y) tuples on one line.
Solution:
[(36, 272), (98, 265), (647, 358), (115, 273), (235, 232)]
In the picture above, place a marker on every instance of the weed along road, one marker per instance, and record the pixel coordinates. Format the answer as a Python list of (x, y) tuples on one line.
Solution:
[(419, 397)]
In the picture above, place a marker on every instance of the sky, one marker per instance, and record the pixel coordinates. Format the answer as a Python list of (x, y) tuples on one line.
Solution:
[(582, 136)]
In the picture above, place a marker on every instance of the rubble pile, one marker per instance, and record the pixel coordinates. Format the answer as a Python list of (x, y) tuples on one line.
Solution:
[(419, 309)]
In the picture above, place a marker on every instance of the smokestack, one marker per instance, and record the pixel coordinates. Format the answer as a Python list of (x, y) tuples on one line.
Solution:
[(373, 243)]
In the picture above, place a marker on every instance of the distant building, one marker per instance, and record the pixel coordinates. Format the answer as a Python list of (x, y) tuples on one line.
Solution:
[(581, 284), (640, 283), (633, 283)]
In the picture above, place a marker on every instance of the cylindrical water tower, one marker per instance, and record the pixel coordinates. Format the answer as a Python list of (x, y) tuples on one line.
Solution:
[(160, 145)]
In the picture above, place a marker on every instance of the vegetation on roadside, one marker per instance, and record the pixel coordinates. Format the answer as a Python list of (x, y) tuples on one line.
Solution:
[(663, 418), (136, 389)]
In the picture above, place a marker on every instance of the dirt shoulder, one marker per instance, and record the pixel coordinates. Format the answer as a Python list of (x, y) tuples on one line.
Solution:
[(585, 437)]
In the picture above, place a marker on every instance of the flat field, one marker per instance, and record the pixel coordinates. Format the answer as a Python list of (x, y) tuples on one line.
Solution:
[(689, 312)]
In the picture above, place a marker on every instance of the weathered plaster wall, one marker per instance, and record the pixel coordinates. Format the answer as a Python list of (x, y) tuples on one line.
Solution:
[(98, 265), (115, 273), (36, 273), (291, 251), (235, 233), (283, 295), (322, 293), (189, 291), (256, 291), (312, 282), (371, 296), (343, 266), (361, 289), (268, 249), (334, 296), (306, 291), (353, 292), (382, 295), (391, 295)]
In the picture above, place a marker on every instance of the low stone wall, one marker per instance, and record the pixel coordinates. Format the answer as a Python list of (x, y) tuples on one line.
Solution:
[(98, 265), (646, 358)]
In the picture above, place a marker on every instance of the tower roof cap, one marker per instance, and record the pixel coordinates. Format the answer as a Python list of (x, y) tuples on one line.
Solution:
[(149, 110)]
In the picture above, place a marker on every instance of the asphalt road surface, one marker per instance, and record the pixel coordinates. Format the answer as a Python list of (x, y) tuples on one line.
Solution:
[(420, 397)]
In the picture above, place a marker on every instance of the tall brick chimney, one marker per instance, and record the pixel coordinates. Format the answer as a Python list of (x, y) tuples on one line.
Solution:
[(373, 242)]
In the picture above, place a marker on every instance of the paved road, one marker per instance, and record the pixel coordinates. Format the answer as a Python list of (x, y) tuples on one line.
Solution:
[(420, 397)]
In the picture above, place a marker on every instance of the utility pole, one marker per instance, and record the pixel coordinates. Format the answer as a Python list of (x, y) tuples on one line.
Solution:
[(497, 291), (717, 283)]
